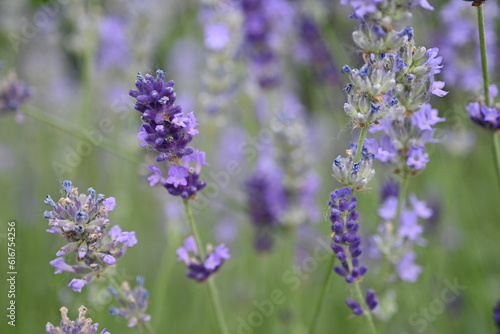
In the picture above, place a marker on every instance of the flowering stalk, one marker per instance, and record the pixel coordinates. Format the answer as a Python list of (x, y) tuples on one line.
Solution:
[(322, 293), (169, 131), (486, 85), (484, 58), (214, 294)]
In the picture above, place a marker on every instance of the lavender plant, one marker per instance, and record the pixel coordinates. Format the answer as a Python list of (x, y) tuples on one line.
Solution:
[(82, 220), (134, 303), (13, 93), (168, 131), (81, 325), (390, 92)]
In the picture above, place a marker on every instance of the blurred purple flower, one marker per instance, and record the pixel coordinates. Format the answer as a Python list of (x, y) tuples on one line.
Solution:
[(201, 269), (114, 47), (134, 303), (407, 270), (217, 36)]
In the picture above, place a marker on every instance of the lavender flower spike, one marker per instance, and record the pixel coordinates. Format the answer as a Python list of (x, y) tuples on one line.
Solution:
[(82, 220), (81, 325), (165, 127), (347, 244), (134, 305), (201, 269)]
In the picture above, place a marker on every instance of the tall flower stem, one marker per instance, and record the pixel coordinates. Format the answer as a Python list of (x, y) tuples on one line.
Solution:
[(322, 294), (486, 83), (212, 289), (484, 58), (367, 310), (496, 154), (68, 128), (161, 285), (361, 141)]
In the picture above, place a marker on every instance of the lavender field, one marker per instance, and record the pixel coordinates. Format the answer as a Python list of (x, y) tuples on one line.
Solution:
[(249, 166)]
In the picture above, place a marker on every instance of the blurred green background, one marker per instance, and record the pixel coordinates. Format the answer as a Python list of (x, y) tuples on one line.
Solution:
[(74, 95)]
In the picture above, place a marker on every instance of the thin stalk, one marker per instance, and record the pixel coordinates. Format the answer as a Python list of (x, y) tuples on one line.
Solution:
[(484, 57), (161, 285), (361, 141), (486, 83), (367, 313), (319, 304), (212, 289), (66, 127), (496, 154)]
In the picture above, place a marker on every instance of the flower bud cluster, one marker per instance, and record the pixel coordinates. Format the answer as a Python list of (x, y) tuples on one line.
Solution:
[(82, 220)]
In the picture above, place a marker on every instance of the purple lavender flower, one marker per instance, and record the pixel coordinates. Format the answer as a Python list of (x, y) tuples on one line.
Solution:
[(403, 144), (496, 316), (397, 247), (81, 325), (371, 299), (201, 269), (375, 11), (164, 127), (82, 220), (114, 49), (407, 269), (134, 303), (217, 36), (267, 202), (346, 242), (13, 93), (314, 51), (258, 29), (488, 118), (354, 306), (183, 180)]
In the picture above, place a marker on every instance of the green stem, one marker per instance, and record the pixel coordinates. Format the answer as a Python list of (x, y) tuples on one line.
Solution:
[(367, 310), (496, 154), (484, 59), (63, 126), (487, 99), (322, 295), (212, 289), (361, 141), (161, 284)]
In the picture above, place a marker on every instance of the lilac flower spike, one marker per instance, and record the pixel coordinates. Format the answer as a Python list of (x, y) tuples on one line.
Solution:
[(346, 242), (198, 269), (134, 303), (267, 203), (81, 325), (164, 127), (82, 220)]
